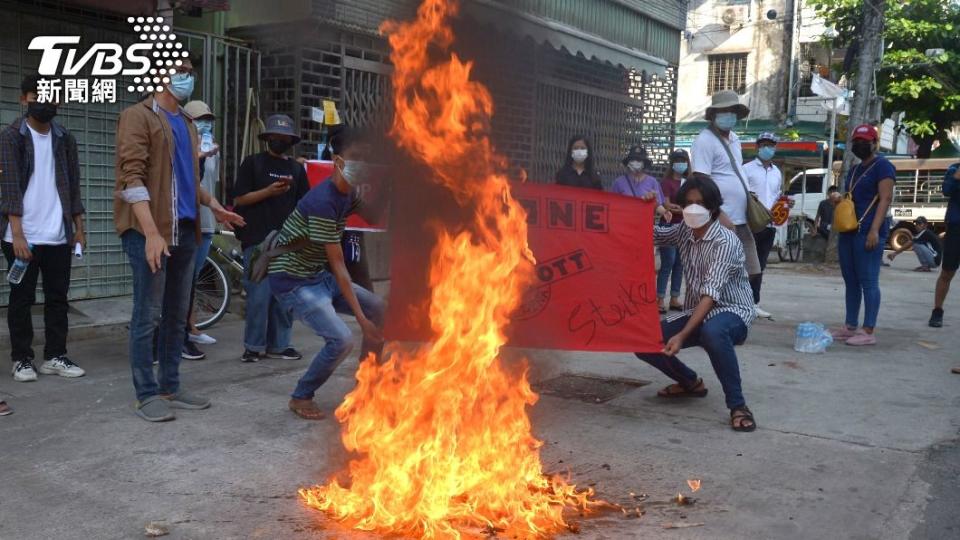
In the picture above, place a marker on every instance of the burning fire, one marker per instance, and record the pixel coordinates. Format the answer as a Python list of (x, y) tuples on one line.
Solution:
[(442, 435)]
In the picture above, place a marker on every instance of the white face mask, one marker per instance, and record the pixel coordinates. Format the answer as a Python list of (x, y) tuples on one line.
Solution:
[(353, 172), (635, 166), (579, 155), (695, 216)]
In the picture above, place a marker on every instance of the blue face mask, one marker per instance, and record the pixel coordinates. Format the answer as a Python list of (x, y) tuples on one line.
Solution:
[(204, 126), (725, 121), (766, 152), (181, 85), (680, 167)]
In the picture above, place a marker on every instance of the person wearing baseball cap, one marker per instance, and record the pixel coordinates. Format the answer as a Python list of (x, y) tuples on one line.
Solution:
[(870, 185), (766, 181), (269, 185), (716, 153)]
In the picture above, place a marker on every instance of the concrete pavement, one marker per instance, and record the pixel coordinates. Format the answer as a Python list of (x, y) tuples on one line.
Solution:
[(854, 443)]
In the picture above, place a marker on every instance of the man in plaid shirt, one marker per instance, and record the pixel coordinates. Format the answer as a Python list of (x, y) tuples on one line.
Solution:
[(41, 218)]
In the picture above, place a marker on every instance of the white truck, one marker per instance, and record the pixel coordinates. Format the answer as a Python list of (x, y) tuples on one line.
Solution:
[(917, 192)]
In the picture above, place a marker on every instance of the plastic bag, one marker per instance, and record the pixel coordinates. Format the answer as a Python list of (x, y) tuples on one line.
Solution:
[(812, 338)]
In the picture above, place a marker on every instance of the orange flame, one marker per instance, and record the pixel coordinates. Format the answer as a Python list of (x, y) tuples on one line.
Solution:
[(442, 433)]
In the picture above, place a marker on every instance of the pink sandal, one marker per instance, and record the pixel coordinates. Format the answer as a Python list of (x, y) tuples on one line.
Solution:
[(844, 332), (862, 338)]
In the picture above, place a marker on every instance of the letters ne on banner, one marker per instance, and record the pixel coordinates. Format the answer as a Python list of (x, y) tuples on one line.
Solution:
[(595, 286)]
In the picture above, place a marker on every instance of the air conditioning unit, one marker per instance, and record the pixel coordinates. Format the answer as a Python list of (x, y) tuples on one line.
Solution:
[(733, 15)]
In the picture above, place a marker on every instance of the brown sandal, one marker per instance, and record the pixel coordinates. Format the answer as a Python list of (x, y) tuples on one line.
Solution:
[(5, 409), (677, 390), (306, 409), (741, 419)]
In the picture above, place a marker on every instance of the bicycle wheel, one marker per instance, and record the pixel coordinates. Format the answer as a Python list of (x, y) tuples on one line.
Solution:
[(212, 295), (794, 241)]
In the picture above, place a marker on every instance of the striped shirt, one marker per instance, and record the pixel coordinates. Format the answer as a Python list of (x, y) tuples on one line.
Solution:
[(713, 266), (321, 216)]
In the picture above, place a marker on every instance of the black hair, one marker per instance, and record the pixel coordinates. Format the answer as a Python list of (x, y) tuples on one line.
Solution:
[(345, 137), (588, 164), (29, 84), (832, 189), (712, 200)]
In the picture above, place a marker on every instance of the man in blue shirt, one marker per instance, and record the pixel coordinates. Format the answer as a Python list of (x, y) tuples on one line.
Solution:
[(951, 243)]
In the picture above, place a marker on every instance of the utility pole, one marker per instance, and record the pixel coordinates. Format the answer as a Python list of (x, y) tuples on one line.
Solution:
[(861, 111)]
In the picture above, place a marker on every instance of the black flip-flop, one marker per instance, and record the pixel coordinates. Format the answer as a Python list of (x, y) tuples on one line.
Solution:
[(742, 413)]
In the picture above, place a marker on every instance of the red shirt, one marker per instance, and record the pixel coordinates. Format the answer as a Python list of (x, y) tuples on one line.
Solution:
[(670, 185)]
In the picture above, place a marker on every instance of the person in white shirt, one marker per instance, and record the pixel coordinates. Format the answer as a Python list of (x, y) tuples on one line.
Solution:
[(709, 157), (41, 222), (765, 181)]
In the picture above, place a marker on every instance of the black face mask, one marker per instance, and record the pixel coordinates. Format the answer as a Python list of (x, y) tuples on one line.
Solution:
[(41, 112), (278, 146), (862, 149)]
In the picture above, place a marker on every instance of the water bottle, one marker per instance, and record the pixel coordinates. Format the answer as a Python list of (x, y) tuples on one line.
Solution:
[(812, 338), (17, 270), (206, 141)]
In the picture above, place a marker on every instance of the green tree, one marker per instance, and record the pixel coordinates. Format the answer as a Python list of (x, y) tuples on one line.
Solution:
[(926, 88)]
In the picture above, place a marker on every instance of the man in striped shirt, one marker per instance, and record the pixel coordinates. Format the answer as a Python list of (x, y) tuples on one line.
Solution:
[(718, 303), (312, 282)]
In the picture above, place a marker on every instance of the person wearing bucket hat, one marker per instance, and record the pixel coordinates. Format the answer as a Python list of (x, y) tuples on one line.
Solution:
[(870, 185), (269, 185), (766, 181), (717, 153), (635, 182)]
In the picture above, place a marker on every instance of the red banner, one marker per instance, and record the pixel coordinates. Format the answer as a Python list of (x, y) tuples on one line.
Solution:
[(595, 288)]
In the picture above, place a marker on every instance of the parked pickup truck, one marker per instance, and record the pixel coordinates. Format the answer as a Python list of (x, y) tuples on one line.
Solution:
[(917, 192)]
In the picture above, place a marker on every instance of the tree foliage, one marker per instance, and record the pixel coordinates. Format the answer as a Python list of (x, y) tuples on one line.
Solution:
[(926, 88)]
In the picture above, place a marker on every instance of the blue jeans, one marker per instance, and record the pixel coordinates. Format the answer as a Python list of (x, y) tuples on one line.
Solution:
[(670, 267), (925, 255), (717, 335), (268, 324), (316, 305), (203, 249), (861, 275), (160, 302)]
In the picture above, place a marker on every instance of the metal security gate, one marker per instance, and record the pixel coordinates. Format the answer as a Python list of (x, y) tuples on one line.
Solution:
[(228, 69)]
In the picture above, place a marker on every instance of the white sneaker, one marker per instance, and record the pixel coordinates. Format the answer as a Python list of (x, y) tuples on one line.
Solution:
[(761, 313), (62, 366), (23, 371), (202, 339)]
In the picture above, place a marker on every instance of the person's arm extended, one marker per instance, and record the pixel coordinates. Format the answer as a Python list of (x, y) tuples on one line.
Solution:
[(221, 214), (885, 197), (339, 270), (675, 343)]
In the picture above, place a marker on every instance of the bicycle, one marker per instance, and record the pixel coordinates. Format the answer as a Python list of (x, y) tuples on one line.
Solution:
[(220, 275)]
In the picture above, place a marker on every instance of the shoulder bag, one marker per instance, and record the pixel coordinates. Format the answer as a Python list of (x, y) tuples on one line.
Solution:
[(845, 214), (758, 215)]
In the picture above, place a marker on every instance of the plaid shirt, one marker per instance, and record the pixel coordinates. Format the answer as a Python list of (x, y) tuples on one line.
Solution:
[(16, 167)]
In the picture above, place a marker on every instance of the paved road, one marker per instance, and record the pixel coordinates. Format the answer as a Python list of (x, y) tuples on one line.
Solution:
[(855, 443)]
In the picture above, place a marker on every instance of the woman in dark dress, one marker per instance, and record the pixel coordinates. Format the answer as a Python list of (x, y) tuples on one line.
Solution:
[(577, 170)]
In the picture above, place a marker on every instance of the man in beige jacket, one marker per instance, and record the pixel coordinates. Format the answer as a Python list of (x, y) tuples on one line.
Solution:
[(156, 207)]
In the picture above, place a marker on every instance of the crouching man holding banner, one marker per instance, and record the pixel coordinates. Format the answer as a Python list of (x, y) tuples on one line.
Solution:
[(718, 304)]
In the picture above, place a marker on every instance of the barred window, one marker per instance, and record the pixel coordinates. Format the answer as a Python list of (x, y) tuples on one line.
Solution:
[(727, 72)]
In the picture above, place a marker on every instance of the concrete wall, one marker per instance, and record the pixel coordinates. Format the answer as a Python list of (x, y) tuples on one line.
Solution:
[(766, 42)]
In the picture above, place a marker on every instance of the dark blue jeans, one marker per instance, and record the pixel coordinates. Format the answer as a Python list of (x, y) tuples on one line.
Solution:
[(316, 305), (160, 302), (717, 335), (861, 275), (670, 268)]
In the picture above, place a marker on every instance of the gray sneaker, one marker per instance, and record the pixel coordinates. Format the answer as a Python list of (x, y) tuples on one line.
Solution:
[(186, 400), (154, 409)]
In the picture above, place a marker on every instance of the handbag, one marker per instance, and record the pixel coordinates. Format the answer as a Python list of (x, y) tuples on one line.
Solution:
[(845, 213), (758, 215)]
